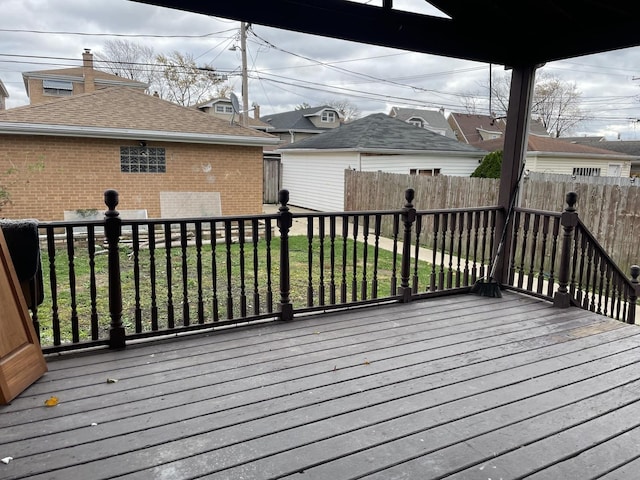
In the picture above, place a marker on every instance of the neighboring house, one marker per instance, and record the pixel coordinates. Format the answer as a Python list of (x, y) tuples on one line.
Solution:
[(223, 108), (297, 125), (471, 128), (553, 155), (4, 94), (584, 140), (63, 154), (433, 120), (628, 147), (313, 169), (46, 85)]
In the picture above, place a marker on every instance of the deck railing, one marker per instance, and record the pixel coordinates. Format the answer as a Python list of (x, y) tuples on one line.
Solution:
[(111, 282), (554, 256)]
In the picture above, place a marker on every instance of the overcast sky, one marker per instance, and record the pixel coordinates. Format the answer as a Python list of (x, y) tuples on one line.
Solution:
[(287, 69)]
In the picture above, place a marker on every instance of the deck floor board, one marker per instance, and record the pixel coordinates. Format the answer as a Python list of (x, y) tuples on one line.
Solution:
[(462, 387)]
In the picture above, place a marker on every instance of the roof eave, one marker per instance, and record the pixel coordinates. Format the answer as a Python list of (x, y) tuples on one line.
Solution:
[(132, 134)]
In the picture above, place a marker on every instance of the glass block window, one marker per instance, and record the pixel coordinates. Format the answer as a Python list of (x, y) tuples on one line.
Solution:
[(142, 160)]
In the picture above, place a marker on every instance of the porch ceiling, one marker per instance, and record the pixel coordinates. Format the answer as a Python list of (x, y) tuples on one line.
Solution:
[(503, 32)]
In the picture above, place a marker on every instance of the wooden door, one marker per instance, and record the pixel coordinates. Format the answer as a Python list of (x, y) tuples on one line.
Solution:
[(21, 358)]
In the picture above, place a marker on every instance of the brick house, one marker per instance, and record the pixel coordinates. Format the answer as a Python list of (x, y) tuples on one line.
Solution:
[(61, 155)]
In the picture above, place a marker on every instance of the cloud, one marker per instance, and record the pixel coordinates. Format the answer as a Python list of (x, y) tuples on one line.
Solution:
[(288, 68)]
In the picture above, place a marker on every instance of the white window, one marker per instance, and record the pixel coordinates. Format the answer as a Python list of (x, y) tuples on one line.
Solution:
[(57, 87), (224, 109), (425, 172), (415, 121), (328, 116)]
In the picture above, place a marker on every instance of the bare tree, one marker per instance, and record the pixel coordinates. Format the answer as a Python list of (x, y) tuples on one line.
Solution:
[(128, 60), (556, 103), (186, 83), (347, 109)]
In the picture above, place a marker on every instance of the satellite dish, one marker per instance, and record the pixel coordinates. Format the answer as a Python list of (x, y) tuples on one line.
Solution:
[(234, 103)]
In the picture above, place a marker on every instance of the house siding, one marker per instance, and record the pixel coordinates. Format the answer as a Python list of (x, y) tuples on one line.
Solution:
[(564, 166), (49, 175), (316, 181), (448, 165)]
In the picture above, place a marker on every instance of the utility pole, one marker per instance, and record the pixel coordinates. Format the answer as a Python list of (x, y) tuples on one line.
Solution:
[(245, 82)]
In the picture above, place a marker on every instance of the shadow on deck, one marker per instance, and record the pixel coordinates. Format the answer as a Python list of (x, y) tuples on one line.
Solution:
[(450, 387)]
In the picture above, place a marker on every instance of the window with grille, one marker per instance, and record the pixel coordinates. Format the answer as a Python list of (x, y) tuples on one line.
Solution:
[(328, 116), (142, 159), (586, 171), (427, 172), (224, 109)]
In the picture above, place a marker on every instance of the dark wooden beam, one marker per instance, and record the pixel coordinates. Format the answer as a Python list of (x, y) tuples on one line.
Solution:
[(514, 153)]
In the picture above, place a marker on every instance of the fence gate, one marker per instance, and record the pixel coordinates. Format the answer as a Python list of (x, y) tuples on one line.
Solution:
[(272, 178)]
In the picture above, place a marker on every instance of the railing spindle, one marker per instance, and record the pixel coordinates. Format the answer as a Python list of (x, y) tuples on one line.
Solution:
[(569, 220)]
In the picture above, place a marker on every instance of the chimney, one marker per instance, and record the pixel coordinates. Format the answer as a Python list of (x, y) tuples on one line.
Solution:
[(256, 111), (88, 72)]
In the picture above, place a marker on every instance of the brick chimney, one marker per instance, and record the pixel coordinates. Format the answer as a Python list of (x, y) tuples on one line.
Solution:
[(256, 111), (88, 72)]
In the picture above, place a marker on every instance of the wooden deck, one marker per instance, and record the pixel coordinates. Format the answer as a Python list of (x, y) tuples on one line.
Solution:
[(461, 387)]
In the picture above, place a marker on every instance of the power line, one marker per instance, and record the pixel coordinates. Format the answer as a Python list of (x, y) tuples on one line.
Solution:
[(132, 35)]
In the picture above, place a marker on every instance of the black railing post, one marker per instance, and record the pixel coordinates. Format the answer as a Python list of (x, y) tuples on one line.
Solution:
[(284, 224), (408, 217), (568, 220), (113, 227), (633, 297)]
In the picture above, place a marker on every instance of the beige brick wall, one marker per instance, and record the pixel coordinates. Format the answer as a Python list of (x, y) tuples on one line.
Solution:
[(48, 175)]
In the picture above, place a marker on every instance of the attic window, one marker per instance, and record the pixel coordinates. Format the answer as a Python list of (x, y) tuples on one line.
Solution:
[(142, 159), (57, 87), (415, 121), (224, 109), (328, 116)]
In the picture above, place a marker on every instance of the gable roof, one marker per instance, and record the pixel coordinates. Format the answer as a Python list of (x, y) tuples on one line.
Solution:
[(380, 132), (470, 125), (122, 112), (297, 120), (252, 122), (433, 118), (3, 90), (548, 145)]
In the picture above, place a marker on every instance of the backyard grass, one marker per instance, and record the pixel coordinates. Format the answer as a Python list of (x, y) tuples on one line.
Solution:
[(215, 282)]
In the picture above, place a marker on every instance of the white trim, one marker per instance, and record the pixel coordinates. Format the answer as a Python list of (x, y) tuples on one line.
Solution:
[(133, 134)]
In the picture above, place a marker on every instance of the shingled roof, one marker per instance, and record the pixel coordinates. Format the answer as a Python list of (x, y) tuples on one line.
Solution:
[(379, 132), (297, 120), (122, 112), (548, 144)]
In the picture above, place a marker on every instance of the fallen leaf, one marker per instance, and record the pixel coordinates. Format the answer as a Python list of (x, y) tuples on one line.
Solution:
[(112, 380), (366, 362), (94, 424), (51, 402), (6, 460)]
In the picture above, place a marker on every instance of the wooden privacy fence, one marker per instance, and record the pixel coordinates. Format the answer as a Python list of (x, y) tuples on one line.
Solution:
[(610, 211)]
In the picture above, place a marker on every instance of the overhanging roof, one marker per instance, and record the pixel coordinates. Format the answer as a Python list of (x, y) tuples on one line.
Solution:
[(504, 32)]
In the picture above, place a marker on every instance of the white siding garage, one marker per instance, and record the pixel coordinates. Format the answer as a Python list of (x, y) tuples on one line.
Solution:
[(313, 169)]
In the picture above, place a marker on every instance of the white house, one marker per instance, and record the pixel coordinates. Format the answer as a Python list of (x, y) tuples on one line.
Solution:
[(313, 169), (553, 155)]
